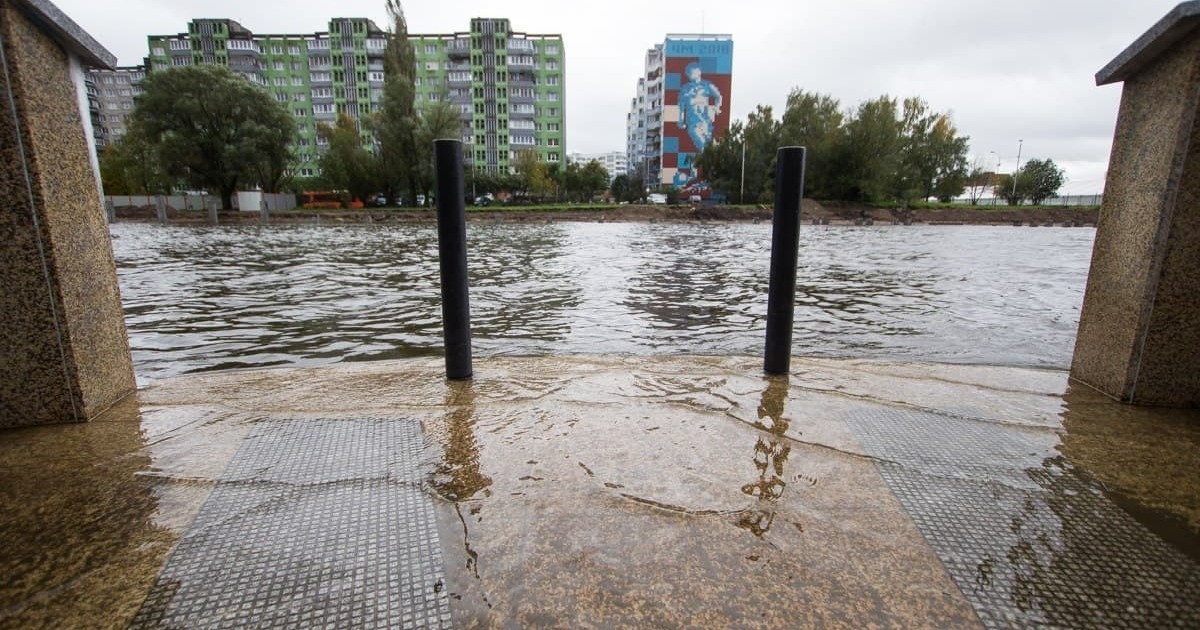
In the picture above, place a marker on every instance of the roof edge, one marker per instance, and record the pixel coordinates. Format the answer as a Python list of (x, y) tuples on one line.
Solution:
[(1174, 26)]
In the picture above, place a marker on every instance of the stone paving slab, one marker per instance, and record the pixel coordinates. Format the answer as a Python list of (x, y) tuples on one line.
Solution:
[(316, 523), (1039, 546)]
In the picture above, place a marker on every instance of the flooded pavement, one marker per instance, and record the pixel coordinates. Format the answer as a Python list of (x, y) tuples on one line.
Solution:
[(598, 492)]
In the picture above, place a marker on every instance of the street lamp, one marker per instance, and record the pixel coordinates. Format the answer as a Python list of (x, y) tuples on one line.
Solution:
[(1020, 142), (742, 192), (997, 172)]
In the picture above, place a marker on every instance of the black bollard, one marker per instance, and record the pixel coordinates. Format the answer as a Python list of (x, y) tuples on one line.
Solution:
[(452, 257), (785, 248)]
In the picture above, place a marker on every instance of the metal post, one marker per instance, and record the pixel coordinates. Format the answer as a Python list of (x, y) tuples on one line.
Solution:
[(785, 248), (110, 210), (160, 208), (211, 208), (264, 214), (452, 257)]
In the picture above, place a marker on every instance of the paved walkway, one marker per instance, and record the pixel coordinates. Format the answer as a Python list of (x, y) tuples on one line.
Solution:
[(599, 492)]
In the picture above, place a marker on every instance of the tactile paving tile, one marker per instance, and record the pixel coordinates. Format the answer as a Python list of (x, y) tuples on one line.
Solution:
[(1030, 541), (315, 523)]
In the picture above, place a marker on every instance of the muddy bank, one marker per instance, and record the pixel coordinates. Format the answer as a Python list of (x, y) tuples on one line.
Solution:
[(831, 213)]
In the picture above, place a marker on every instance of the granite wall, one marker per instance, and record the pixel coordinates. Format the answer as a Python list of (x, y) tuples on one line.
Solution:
[(64, 355), (1140, 323)]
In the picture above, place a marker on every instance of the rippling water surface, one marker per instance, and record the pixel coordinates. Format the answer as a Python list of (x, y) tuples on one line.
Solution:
[(214, 298)]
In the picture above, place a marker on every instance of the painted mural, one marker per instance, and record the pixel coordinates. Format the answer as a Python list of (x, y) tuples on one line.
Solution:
[(696, 90)]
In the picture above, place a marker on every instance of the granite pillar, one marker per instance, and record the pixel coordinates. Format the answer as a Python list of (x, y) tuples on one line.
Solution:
[(1140, 326), (64, 355)]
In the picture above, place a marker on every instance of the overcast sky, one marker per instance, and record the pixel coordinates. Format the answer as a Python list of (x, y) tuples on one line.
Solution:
[(1005, 70)]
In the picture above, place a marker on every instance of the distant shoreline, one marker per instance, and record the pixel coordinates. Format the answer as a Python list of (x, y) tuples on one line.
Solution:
[(831, 214)]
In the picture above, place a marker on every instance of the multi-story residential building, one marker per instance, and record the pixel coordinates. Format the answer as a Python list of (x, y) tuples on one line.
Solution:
[(644, 122), (615, 162), (316, 76), (509, 88), (111, 94), (682, 105)]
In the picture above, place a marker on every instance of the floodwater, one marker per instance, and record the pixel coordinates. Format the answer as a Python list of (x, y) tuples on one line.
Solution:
[(199, 298)]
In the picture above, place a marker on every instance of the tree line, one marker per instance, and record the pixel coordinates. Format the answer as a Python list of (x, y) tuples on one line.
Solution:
[(884, 150)]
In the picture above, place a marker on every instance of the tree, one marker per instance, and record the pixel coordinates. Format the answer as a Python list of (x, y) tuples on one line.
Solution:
[(535, 179), (438, 120), (212, 127), (131, 167), (346, 165), (396, 122), (977, 181), (593, 180), (814, 121), (1041, 178), (872, 153)]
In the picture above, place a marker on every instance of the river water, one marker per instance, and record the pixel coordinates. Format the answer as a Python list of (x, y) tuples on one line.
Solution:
[(199, 298)]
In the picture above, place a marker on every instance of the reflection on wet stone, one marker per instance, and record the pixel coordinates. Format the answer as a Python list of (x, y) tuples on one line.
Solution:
[(770, 454), (458, 477)]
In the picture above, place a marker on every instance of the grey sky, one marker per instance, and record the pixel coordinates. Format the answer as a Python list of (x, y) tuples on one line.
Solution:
[(1006, 71)]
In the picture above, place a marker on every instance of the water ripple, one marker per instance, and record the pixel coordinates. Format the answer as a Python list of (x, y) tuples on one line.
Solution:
[(213, 298)]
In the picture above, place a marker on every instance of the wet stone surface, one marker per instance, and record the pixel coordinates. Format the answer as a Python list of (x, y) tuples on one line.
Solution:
[(607, 492), (315, 522), (1038, 545)]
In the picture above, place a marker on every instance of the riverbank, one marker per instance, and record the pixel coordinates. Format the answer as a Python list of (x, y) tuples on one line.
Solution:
[(812, 211)]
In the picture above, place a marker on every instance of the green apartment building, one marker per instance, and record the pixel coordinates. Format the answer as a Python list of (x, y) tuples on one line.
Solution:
[(508, 86)]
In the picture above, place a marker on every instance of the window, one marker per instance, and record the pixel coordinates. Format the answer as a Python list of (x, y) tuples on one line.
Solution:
[(300, 97), (181, 61), (279, 81), (320, 76), (300, 113), (157, 51), (552, 142), (278, 65), (552, 157), (375, 76), (277, 50), (552, 79), (552, 64), (553, 96), (431, 65), (552, 127), (296, 66), (552, 49), (430, 49), (322, 92), (297, 81), (552, 111), (293, 50), (464, 108), (179, 44), (282, 97), (323, 108)]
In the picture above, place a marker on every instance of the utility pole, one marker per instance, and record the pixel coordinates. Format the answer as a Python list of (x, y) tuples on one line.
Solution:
[(1017, 169)]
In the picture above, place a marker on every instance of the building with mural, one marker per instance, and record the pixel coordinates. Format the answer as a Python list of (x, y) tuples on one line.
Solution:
[(682, 105), (508, 86)]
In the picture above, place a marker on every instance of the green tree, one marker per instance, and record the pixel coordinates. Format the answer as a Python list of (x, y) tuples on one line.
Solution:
[(346, 165), (814, 121), (535, 179), (593, 180), (131, 167), (437, 120), (1041, 179), (396, 123), (213, 128), (873, 141)]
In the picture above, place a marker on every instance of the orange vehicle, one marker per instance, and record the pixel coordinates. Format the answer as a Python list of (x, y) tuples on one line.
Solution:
[(325, 199)]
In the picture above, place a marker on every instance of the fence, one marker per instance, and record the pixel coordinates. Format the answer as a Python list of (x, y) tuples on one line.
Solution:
[(1065, 200), (275, 201)]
